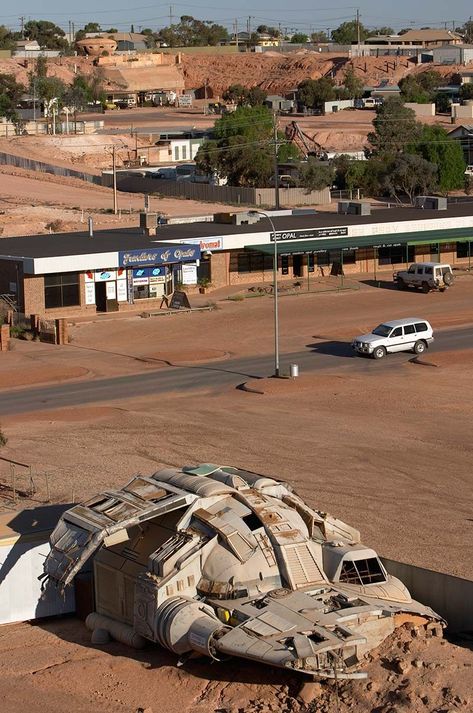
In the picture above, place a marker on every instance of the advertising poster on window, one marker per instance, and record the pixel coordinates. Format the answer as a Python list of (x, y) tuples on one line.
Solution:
[(189, 274), (122, 292), (105, 275), (89, 293), (111, 290)]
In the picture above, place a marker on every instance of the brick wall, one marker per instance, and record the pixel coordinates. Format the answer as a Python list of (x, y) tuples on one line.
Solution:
[(33, 286)]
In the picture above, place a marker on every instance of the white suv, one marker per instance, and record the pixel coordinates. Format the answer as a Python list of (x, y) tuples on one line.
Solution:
[(400, 335)]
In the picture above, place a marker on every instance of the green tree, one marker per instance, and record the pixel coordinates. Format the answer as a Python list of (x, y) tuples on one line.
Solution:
[(48, 88), (319, 36), (430, 81), (299, 38), (256, 96), (314, 92), (315, 175), (353, 85), (410, 175), (436, 147), (10, 94), (466, 92), (395, 128), (242, 148), (48, 35), (412, 91), (237, 94), (443, 103), (93, 27), (84, 90), (383, 31), (287, 150), (8, 38), (347, 33), (192, 33)]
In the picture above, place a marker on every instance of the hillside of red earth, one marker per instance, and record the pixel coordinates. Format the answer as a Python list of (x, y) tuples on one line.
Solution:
[(274, 72)]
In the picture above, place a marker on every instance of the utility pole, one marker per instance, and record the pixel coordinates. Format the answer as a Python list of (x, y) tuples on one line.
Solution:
[(276, 167), (235, 24), (358, 30), (114, 168), (70, 32), (22, 26), (170, 15), (73, 31)]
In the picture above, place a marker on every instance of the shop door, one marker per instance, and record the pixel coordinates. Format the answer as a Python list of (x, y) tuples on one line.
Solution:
[(297, 265), (101, 296)]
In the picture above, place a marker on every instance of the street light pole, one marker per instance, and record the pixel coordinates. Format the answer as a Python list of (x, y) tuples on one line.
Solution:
[(275, 283)]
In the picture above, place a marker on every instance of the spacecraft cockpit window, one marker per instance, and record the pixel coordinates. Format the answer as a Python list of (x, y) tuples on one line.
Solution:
[(365, 571)]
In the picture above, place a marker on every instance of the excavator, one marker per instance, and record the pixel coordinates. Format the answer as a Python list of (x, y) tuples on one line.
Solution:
[(306, 144)]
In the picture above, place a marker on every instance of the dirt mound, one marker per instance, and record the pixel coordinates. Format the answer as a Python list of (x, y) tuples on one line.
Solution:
[(39, 375), (460, 358)]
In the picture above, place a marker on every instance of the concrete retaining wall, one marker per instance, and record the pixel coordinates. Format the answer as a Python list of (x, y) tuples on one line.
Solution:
[(7, 159), (451, 597), (421, 109)]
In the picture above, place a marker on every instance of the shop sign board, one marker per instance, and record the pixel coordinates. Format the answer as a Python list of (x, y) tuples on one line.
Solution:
[(111, 290), (89, 293), (105, 275), (206, 243), (189, 274), (309, 234), (141, 280), (159, 256), (122, 293)]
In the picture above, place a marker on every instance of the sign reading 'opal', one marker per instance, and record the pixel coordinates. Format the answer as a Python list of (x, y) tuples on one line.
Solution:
[(310, 233)]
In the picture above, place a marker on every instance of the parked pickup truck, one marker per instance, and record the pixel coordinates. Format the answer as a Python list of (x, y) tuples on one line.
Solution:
[(425, 276)]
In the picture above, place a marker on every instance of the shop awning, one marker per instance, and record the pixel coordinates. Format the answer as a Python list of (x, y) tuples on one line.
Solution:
[(428, 237)]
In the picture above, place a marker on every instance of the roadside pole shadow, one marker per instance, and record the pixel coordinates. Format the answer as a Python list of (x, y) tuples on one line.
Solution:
[(383, 284)]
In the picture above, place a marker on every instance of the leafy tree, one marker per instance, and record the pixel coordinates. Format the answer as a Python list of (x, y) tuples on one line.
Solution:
[(192, 33), (93, 27), (466, 92), (412, 91), (299, 38), (287, 150), (242, 149), (436, 147), (237, 94), (356, 174), (395, 127), (443, 103), (84, 90), (347, 33), (467, 31), (48, 35), (10, 94), (353, 85), (7, 38), (383, 31), (41, 66), (48, 88), (430, 81), (319, 36), (256, 96), (314, 92), (315, 175), (410, 175), (113, 30), (404, 30), (266, 30)]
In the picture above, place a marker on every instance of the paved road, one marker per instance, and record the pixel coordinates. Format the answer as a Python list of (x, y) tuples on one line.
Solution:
[(318, 356)]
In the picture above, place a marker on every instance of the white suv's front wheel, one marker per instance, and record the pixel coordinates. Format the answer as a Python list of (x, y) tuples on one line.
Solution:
[(379, 353), (419, 347)]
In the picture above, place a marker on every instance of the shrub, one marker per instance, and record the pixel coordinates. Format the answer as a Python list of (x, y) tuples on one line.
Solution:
[(3, 439)]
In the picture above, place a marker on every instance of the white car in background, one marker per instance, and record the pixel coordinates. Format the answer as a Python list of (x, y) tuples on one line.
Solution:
[(399, 335)]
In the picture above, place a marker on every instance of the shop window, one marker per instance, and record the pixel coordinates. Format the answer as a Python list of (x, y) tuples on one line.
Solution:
[(310, 262), (322, 258), (396, 254), (184, 152), (176, 153), (61, 290), (140, 292), (464, 249), (254, 262), (349, 257)]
